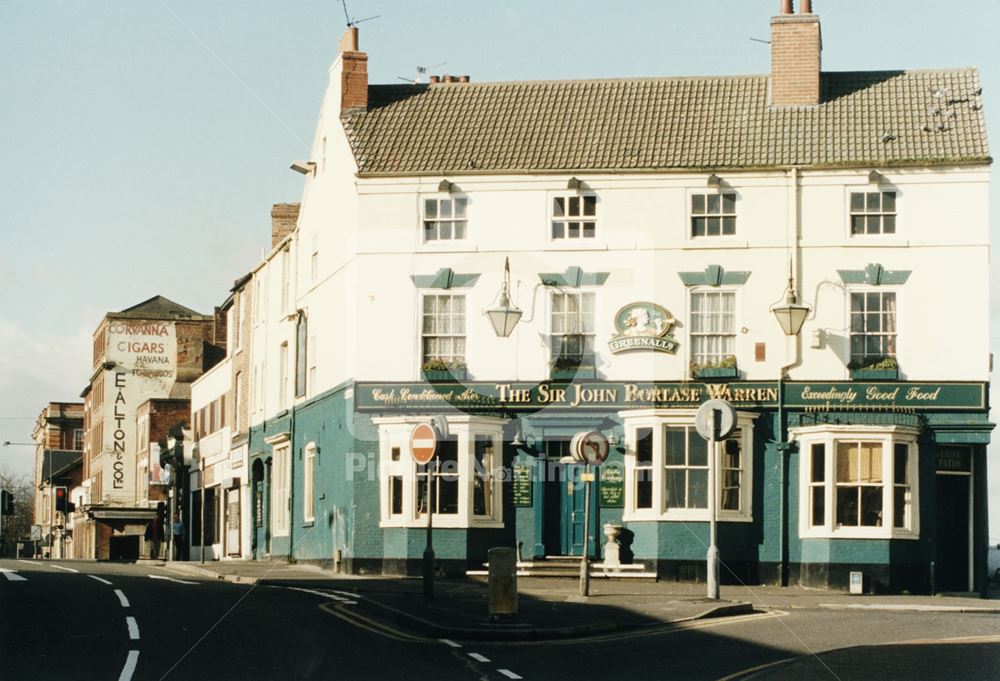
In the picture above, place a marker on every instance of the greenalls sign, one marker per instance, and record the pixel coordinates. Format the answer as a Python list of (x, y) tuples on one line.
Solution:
[(643, 326)]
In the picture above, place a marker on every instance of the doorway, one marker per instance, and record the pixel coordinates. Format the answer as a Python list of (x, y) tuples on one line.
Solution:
[(954, 521), (565, 502)]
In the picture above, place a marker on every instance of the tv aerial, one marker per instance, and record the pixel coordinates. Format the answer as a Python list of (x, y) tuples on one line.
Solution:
[(351, 23), (422, 73)]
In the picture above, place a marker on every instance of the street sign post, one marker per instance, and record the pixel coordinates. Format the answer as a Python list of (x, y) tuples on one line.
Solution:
[(715, 420), (591, 449), (423, 444)]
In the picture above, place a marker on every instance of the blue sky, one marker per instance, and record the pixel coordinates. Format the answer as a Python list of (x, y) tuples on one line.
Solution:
[(144, 141)]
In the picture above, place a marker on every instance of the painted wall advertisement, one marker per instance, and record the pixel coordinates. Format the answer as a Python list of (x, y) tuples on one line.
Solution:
[(145, 366)]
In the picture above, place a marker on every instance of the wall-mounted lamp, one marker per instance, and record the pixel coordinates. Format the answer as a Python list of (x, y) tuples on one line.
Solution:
[(575, 184), (875, 177), (791, 314), (517, 441), (504, 316), (447, 186), (714, 180), (304, 167)]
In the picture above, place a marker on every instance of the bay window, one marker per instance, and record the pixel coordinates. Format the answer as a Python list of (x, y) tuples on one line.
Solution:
[(857, 482), (465, 475), (667, 467)]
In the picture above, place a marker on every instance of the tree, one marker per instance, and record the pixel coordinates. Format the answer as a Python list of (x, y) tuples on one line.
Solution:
[(17, 527)]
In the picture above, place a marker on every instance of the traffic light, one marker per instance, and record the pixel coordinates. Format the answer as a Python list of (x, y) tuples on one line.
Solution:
[(62, 500), (6, 503)]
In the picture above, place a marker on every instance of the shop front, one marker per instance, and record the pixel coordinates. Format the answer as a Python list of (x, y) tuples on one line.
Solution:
[(818, 480)]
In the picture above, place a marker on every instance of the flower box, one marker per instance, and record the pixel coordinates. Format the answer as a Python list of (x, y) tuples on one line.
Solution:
[(717, 372), (568, 374), (444, 375), (875, 374)]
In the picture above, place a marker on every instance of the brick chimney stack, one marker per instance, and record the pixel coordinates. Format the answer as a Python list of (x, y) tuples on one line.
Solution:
[(353, 72), (284, 216), (796, 44)]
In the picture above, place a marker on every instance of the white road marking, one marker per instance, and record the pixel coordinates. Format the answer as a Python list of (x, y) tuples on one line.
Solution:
[(12, 576), (509, 674), (449, 642), (27, 562), (102, 581), (133, 628), (171, 579), (130, 663), (478, 657), (60, 567), (324, 594), (121, 597)]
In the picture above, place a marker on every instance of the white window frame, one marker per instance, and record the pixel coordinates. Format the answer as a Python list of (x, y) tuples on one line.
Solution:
[(851, 213), (437, 220), (309, 483), (394, 432), (286, 279), (566, 218), (237, 397), (283, 358), (864, 290), (592, 334), (281, 468), (700, 290), (830, 435), (721, 215), (658, 420), (464, 335)]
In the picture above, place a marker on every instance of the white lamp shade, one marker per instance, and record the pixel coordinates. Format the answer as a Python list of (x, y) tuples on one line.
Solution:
[(790, 316), (504, 318)]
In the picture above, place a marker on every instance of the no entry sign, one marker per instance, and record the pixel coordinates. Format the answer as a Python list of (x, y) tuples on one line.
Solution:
[(423, 442)]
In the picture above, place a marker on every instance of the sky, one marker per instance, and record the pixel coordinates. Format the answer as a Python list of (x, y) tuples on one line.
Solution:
[(143, 142)]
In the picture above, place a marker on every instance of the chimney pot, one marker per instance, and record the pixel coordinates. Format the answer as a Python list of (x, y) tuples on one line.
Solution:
[(349, 41), (463, 79), (353, 72), (435, 79), (786, 7), (806, 7)]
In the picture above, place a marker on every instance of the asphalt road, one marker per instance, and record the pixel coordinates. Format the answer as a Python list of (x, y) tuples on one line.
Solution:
[(81, 620)]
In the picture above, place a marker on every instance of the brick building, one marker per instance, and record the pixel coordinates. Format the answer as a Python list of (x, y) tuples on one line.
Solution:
[(58, 436), (151, 351)]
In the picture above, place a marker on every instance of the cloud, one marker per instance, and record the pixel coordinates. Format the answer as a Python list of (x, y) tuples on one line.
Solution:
[(37, 368)]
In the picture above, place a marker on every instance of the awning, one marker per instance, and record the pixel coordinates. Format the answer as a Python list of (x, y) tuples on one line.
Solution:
[(122, 513)]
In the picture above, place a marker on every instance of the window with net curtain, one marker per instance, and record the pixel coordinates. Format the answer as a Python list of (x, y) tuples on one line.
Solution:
[(713, 326), (572, 327), (443, 330), (873, 326)]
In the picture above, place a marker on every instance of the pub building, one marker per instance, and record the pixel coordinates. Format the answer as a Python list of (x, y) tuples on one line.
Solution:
[(521, 263)]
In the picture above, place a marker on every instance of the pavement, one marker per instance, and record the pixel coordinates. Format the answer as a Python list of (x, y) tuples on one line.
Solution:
[(551, 608)]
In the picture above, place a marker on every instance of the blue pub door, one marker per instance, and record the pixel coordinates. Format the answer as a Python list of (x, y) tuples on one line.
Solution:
[(573, 500), (564, 502)]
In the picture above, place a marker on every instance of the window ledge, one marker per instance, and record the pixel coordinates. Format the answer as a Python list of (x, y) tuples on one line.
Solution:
[(308, 523), (709, 243), (576, 245), (421, 524), (853, 535)]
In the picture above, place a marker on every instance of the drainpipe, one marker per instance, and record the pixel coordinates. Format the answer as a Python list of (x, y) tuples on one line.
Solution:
[(291, 479), (783, 445)]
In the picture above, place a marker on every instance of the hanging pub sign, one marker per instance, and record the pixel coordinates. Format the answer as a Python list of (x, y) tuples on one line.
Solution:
[(643, 326)]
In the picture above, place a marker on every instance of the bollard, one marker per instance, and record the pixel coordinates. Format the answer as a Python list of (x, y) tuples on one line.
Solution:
[(503, 583)]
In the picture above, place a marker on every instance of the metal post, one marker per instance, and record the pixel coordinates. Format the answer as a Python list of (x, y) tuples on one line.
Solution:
[(585, 563), (170, 520), (429, 550), (713, 550), (201, 482)]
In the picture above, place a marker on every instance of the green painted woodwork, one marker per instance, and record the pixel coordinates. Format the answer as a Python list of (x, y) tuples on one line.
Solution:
[(874, 275), (714, 275), (445, 278), (574, 277)]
